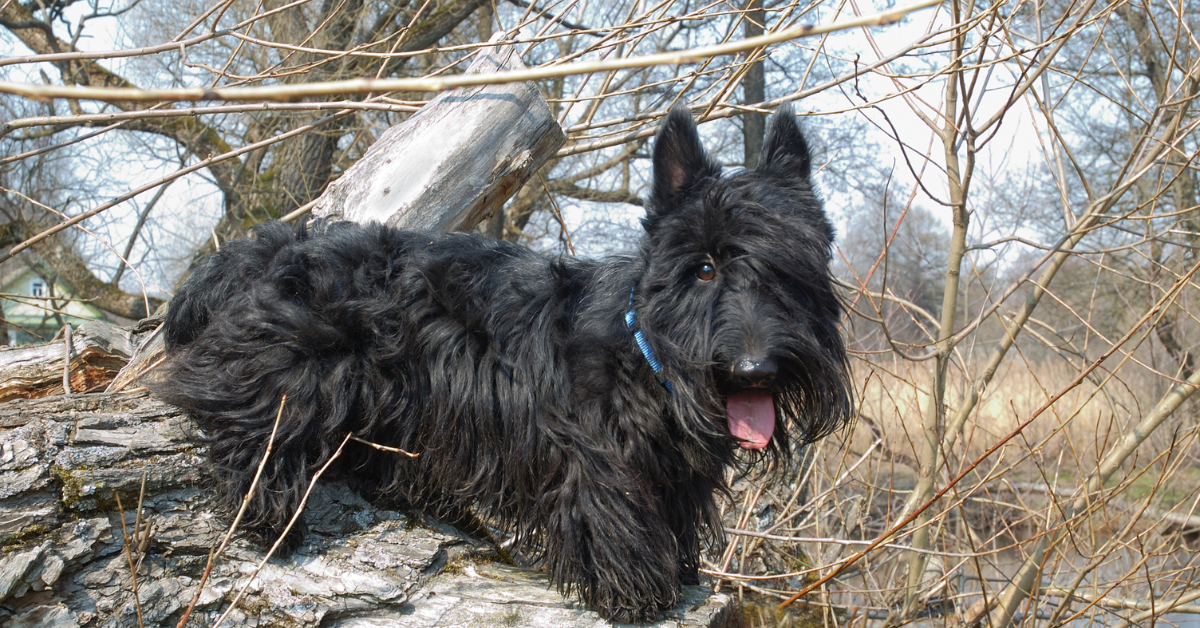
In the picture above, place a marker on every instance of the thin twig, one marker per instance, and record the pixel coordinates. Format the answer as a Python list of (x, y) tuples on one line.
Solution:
[(68, 349), (286, 530), (383, 447), (220, 549), (438, 84), (137, 604), (141, 537)]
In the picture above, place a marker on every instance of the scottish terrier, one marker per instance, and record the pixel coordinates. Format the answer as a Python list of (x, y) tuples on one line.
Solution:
[(591, 408)]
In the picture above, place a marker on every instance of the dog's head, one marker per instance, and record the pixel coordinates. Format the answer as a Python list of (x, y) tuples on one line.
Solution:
[(737, 296)]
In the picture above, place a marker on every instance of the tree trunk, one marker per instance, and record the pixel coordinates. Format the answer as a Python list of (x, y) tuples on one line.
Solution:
[(754, 89)]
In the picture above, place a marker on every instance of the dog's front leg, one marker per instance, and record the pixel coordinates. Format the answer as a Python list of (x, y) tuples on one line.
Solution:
[(606, 539)]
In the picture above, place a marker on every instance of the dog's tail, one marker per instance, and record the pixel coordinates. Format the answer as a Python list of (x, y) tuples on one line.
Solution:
[(214, 281)]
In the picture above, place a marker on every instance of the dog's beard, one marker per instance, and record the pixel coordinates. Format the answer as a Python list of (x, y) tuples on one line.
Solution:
[(751, 416)]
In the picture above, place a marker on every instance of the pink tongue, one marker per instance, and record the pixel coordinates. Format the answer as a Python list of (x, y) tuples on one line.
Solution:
[(751, 415)]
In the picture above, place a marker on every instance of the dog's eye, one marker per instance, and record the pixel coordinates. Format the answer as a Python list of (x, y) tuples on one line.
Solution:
[(706, 272)]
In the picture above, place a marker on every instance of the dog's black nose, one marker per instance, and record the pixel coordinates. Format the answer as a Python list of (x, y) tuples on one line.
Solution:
[(749, 372)]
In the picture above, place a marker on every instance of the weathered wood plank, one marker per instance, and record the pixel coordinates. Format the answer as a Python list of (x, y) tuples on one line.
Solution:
[(456, 161), (100, 350)]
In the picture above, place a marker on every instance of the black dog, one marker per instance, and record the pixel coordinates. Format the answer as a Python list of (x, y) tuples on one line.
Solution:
[(592, 407)]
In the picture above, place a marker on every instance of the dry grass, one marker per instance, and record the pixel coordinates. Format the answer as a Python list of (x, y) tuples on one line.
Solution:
[(986, 524), (1078, 426)]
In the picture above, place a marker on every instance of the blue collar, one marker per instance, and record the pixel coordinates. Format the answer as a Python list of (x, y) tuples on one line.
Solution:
[(644, 345)]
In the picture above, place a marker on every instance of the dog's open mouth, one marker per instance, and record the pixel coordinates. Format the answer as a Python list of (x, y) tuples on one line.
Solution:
[(751, 415)]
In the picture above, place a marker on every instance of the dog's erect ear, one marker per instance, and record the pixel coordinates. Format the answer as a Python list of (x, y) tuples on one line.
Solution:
[(785, 151), (679, 159)]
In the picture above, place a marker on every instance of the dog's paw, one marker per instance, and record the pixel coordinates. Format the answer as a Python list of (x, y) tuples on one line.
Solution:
[(631, 608)]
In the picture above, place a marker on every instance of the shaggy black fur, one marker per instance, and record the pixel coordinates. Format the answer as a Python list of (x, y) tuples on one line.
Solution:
[(516, 376)]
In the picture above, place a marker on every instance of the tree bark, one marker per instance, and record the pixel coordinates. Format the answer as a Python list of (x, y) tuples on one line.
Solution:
[(98, 352), (456, 161), (305, 164)]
